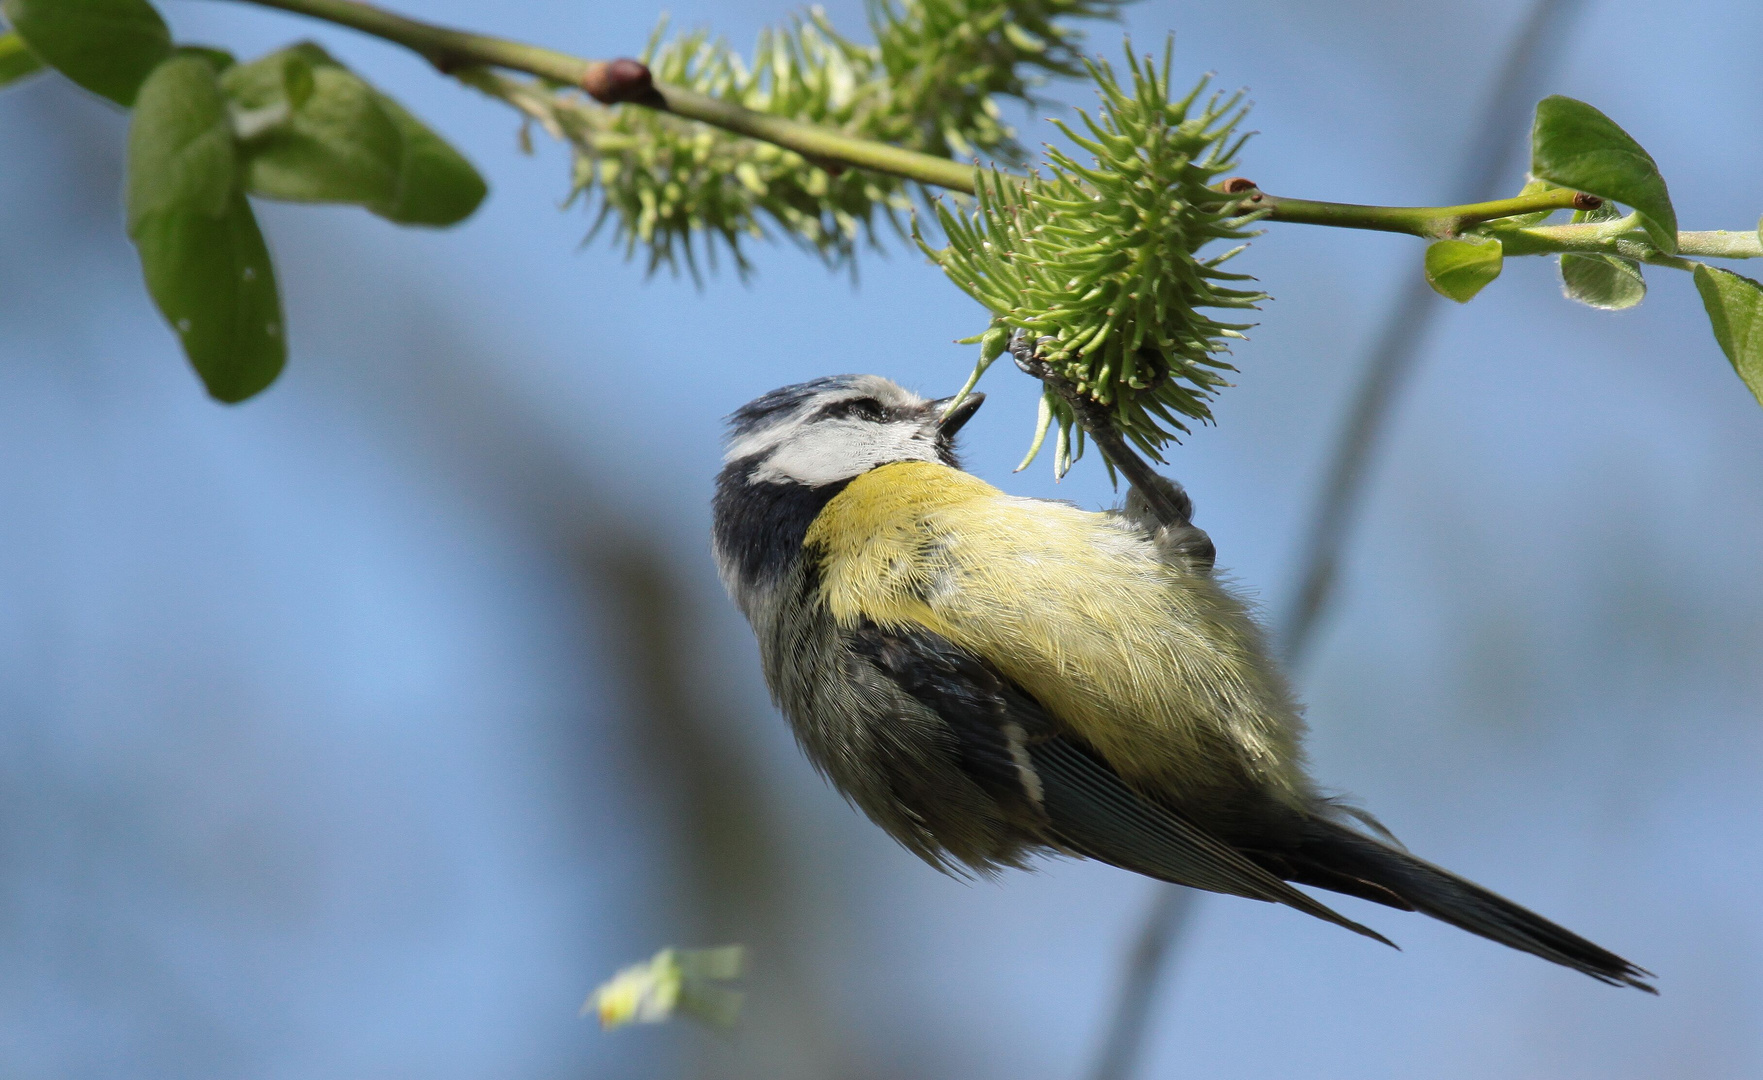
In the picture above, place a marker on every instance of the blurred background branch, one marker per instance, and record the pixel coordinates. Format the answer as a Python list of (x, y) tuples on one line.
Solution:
[(1485, 170)]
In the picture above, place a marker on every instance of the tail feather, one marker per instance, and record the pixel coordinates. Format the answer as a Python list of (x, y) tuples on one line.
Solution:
[(1336, 857)]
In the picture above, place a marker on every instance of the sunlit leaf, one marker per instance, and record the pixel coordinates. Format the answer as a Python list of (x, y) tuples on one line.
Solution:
[(180, 144), (314, 131), (17, 61), (673, 982), (203, 257), (1605, 282), (107, 46), (1458, 269), (218, 59), (436, 184), (213, 280), (1576, 146), (336, 145), (1735, 310)]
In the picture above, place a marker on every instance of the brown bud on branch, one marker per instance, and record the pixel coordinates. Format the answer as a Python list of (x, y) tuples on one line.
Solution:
[(617, 81)]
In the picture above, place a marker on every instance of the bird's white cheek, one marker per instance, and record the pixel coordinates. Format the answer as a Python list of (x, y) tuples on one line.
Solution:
[(826, 453)]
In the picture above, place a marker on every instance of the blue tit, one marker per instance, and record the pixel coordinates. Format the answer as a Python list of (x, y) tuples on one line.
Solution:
[(992, 678)]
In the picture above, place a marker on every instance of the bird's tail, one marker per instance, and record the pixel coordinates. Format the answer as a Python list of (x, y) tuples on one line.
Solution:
[(1337, 857)]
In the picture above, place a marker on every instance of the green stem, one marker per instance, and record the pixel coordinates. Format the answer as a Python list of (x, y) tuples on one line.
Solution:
[(443, 47), (1431, 222), (450, 50), (1625, 238), (818, 143), (456, 50)]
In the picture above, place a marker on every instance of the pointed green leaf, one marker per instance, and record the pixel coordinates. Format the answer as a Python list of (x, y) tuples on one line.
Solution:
[(107, 46), (218, 59), (1605, 282), (338, 145), (181, 153), (17, 61), (1458, 269), (436, 184), (1735, 310), (202, 254), (1576, 146), (213, 280), (316, 132)]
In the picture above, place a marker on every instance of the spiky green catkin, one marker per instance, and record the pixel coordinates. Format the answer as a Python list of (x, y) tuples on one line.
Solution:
[(678, 190), (947, 62), (674, 189), (1101, 262)]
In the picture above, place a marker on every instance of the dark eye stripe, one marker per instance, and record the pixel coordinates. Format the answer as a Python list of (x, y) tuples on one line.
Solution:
[(861, 408)]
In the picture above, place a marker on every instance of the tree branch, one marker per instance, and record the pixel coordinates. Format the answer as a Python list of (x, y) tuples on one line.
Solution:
[(628, 82), (1626, 238), (1430, 222)]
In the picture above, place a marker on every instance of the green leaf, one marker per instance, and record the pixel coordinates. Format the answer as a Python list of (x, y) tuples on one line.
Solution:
[(1605, 282), (1576, 146), (213, 281), (436, 184), (1458, 269), (316, 132), (107, 46), (180, 140), (181, 154), (17, 61), (202, 254), (218, 59), (1735, 310), (338, 145)]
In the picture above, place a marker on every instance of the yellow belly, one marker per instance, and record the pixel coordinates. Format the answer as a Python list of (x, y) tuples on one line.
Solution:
[(1160, 668)]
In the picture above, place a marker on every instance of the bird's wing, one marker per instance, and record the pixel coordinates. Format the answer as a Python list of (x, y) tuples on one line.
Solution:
[(1013, 748)]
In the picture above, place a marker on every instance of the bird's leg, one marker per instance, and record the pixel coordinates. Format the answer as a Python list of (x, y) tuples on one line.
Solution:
[(1168, 503)]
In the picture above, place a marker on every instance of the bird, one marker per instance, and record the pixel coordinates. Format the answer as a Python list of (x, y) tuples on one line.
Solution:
[(993, 678)]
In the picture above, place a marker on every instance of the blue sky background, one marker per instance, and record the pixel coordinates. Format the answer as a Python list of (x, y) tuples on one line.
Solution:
[(318, 756)]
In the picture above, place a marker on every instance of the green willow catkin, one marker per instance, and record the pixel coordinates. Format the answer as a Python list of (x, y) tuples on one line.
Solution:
[(1101, 263), (678, 190)]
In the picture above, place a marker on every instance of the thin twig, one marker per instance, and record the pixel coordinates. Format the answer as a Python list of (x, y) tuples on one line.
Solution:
[(1489, 159), (626, 81), (1429, 222), (1171, 908)]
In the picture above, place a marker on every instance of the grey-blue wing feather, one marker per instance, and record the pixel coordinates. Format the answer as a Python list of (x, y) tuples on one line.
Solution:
[(1094, 813), (1013, 748)]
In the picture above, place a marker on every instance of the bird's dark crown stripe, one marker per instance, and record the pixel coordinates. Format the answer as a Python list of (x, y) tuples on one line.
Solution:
[(782, 401)]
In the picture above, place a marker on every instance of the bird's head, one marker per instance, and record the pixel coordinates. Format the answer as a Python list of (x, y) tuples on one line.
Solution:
[(830, 430), (793, 450)]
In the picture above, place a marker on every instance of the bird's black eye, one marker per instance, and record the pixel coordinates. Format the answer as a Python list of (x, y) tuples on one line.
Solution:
[(855, 408)]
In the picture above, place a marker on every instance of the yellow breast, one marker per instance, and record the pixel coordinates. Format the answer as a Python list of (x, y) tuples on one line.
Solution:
[(1158, 667)]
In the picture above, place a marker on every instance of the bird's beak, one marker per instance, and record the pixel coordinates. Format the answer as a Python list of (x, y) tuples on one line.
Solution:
[(953, 419)]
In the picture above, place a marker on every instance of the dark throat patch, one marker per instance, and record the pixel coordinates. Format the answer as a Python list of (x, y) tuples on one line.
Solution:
[(759, 527)]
